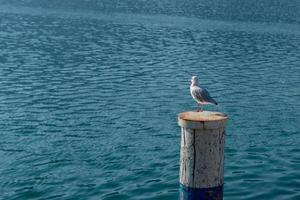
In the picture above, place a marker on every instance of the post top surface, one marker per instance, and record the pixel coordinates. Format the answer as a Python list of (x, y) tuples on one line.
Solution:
[(204, 116)]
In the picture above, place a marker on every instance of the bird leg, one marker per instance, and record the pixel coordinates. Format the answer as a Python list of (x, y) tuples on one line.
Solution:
[(199, 108)]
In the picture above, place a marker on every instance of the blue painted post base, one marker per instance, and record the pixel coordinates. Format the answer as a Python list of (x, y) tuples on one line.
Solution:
[(187, 193)]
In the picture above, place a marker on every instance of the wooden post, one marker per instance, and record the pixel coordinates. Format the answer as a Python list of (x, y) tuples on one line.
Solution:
[(202, 155)]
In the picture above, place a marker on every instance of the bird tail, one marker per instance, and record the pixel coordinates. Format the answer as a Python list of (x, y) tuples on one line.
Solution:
[(214, 102)]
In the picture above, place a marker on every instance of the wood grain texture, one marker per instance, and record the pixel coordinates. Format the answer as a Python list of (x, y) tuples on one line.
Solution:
[(202, 157)]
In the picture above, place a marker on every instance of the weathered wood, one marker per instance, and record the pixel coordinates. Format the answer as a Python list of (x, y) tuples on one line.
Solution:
[(202, 154)]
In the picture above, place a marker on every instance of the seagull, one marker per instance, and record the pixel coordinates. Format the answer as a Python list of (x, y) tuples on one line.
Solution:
[(200, 95)]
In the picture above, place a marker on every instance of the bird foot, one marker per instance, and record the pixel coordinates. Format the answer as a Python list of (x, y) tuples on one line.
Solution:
[(200, 110)]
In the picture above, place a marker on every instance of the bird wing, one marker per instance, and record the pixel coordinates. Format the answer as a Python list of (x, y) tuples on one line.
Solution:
[(202, 95)]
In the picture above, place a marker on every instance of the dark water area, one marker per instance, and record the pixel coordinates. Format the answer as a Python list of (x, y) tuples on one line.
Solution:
[(89, 102), (229, 10)]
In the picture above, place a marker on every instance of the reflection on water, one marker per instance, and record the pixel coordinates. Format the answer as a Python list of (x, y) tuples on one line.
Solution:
[(88, 105)]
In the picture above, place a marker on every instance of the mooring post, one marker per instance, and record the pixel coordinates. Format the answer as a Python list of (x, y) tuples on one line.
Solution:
[(202, 155)]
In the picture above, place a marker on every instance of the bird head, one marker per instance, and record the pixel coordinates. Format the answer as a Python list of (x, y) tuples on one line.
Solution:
[(194, 80)]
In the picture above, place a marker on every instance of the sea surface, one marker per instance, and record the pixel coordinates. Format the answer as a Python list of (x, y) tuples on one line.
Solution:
[(89, 103)]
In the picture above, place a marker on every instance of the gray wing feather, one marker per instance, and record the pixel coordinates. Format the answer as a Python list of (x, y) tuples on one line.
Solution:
[(202, 95), (207, 97)]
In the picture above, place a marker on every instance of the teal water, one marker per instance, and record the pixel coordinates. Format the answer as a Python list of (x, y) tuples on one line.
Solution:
[(89, 102)]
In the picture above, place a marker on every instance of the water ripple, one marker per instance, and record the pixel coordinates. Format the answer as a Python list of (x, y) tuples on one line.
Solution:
[(83, 99)]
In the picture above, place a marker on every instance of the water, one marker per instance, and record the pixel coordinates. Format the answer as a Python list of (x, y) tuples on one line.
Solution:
[(241, 10), (89, 101)]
